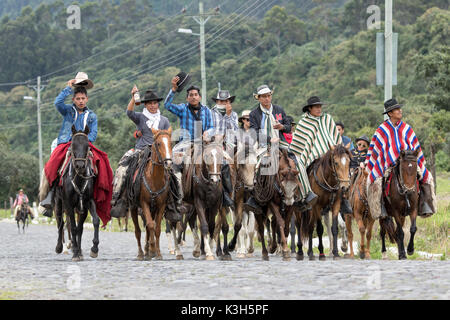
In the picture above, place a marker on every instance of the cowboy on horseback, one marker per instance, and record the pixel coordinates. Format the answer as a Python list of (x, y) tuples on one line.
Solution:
[(150, 118), (21, 198), (78, 116), (269, 122), (314, 135), (226, 124), (195, 121), (392, 137)]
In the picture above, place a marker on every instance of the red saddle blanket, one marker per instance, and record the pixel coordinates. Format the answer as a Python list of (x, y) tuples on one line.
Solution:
[(103, 182)]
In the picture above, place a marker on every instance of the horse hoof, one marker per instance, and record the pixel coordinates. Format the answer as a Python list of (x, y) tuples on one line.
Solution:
[(59, 249), (225, 257), (158, 257), (402, 258), (210, 258), (338, 257), (250, 251), (76, 259), (348, 256), (384, 256), (180, 257), (286, 258), (322, 257), (69, 245), (312, 258), (94, 254), (172, 252), (249, 255), (196, 254), (344, 248), (299, 257), (240, 255), (140, 258), (265, 257), (362, 255), (410, 253), (203, 257)]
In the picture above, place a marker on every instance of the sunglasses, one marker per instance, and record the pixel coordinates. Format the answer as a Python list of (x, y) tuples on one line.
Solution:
[(245, 119), (361, 145)]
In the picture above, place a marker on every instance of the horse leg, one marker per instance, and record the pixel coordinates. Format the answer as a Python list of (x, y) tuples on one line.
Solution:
[(400, 238), (326, 220), (149, 249), (241, 236), (197, 243), (412, 231), (169, 239), (60, 224), (137, 233), (369, 236), (173, 229), (283, 229), (216, 236), (80, 227), (320, 236), (120, 224), (204, 229), (225, 229), (310, 243), (362, 231), (273, 240), (348, 224), (73, 228), (159, 216), (335, 228), (238, 214), (292, 233), (126, 220), (260, 225), (344, 244), (251, 233), (383, 242), (96, 223)]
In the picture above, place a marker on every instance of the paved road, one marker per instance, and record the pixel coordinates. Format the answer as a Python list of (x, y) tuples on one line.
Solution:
[(29, 269)]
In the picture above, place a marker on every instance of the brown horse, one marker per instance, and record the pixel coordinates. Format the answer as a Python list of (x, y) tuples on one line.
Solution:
[(277, 190), (361, 213), (329, 180), (402, 200), (154, 192)]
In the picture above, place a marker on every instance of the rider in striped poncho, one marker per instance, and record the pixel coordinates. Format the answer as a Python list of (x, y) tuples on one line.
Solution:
[(314, 135), (391, 137)]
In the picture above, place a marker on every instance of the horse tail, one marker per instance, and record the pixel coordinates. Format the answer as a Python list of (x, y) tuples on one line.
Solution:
[(387, 224), (306, 224)]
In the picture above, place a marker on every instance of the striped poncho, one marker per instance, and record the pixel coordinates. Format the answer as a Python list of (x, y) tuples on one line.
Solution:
[(313, 137), (387, 143)]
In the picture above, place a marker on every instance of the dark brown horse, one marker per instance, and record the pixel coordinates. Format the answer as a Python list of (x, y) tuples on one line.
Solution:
[(402, 200), (361, 213), (203, 192), (329, 179), (278, 189), (22, 215), (154, 192)]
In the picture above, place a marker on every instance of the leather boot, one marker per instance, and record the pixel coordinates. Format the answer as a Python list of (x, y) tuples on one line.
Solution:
[(47, 203), (345, 206), (252, 205), (227, 187)]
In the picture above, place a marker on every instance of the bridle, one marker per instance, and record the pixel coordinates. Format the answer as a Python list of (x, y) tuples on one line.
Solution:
[(402, 188), (80, 191), (327, 186), (202, 177)]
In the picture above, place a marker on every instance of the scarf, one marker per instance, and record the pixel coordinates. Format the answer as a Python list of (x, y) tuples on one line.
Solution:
[(153, 119), (193, 109), (220, 108), (269, 122)]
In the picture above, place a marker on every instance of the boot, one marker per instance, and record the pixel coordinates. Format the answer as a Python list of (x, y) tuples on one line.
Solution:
[(383, 210), (252, 205), (227, 187), (119, 210), (425, 210), (47, 204), (172, 214), (311, 198), (345, 206)]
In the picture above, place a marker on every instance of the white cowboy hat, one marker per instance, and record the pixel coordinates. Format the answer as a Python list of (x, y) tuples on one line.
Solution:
[(244, 114), (82, 80), (262, 90)]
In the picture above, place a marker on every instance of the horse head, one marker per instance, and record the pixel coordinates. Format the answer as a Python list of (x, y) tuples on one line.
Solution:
[(288, 178), (340, 163), (246, 160), (80, 149), (408, 169), (163, 147), (213, 156)]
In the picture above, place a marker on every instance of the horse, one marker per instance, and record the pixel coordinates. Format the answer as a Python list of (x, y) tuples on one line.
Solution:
[(276, 191), (22, 215), (361, 213), (153, 196), (401, 200), (329, 179), (203, 191), (245, 161), (77, 194)]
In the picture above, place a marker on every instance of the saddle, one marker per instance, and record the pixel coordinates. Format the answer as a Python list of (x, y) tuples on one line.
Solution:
[(135, 171)]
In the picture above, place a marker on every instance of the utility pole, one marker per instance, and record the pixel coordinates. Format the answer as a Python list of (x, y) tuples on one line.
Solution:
[(38, 88), (388, 52), (202, 21)]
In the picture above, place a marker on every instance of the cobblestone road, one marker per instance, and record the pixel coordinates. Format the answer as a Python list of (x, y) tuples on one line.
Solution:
[(29, 269)]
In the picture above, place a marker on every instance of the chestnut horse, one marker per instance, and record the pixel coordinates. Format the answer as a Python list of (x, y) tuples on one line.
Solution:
[(329, 179), (154, 192), (361, 213), (402, 200)]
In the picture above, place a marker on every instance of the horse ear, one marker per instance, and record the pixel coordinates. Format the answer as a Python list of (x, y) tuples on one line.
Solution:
[(73, 129), (86, 130)]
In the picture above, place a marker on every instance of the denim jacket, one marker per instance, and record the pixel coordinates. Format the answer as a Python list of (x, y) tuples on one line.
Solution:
[(72, 117)]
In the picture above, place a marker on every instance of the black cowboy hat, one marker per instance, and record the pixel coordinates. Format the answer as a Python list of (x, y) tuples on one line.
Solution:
[(390, 105), (312, 102), (184, 80), (363, 138), (150, 96), (224, 95)]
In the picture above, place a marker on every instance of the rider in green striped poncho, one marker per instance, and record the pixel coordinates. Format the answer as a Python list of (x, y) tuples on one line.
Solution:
[(314, 135)]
